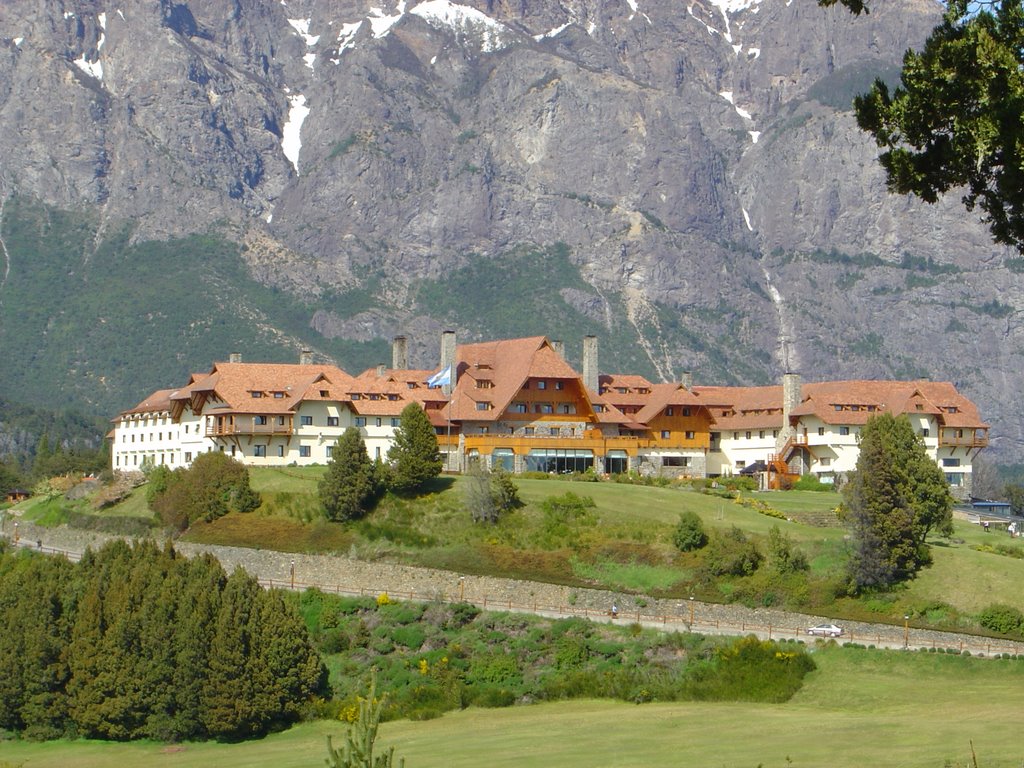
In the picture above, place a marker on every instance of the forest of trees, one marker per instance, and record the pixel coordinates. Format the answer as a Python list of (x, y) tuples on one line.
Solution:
[(139, 642)]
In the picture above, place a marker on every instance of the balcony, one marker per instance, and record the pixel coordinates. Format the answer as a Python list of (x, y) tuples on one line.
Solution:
[(950, 438), (248, 427)]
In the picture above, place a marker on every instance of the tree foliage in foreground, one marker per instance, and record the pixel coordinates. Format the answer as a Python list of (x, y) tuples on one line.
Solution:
[(141, 643), (955, 121), (357, 749), (490, 494), (413, 455), (351, 484), (895, 497)]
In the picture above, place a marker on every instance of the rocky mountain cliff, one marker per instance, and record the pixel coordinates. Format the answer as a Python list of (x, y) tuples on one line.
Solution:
[(684, 179)]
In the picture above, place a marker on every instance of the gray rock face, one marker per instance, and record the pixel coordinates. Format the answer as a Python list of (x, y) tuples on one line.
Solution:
[(700, 162)]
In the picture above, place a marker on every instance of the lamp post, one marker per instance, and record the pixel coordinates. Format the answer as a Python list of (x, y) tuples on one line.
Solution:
[(691, 610), (906, 630), (292, 570), (462, 587), (15, 531)]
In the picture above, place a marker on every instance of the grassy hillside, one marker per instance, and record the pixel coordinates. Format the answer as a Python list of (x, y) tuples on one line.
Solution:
[(860, 708)]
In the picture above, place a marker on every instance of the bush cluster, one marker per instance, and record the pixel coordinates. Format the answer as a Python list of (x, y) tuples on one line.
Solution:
[(140, 643), (214, 485), (1004, 619), (762, 507), (497, 659)]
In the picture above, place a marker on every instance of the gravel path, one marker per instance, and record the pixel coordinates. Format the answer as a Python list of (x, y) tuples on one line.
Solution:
[(344, 575)]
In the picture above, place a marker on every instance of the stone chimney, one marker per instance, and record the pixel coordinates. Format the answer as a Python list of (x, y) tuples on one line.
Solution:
[(687, 379), (400, 353), (790, 400), (559, 346), (235, 357), (306, 357), (447, 349), (590, 369), (381, 370)]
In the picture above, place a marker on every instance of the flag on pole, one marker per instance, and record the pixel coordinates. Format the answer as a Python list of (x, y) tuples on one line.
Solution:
[(441, 378)]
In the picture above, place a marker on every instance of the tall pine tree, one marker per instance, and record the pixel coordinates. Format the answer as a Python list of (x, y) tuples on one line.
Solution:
[(350, 486), (895, 497), (414, 455)]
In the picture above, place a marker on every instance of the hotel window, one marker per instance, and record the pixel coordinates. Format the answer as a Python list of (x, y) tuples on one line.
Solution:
[(392, 397), (838, 407), (559, 385), (258, 450), (304, 451), (748, 435), (542, 385), (670, 411), (761, 434), (825, 461), (233, 450), (330, 451), (410, 384), (735, 435), (259, 420), (356, 396), (188, 456), (483, 384), (306, 421), (690, 435), (280, 451), (925, 432), (665, 434), (160, 435), (547, 408), (483, 406), (775, 433), (484, 430), (919, 407), (376, 453), (380, 421), (821, 430), (844, 431), (553, 431), (951, 462), (686, 411), (278, 395), (528, 431), (325, 393), (568, 408), (332, 421), (360, 421), (280, 421), (952, 409), (375, 397), (395, 422), (257, 394), (518, 407)]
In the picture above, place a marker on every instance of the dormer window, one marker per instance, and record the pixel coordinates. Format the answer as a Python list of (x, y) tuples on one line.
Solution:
[(375, 397), (411, 384), (257, 394), (484, 384), (356, 396), (325, 393), (952, 409), (278, 395), (483, 405)]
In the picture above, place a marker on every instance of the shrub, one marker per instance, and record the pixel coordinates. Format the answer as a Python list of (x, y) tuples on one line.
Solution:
[(214, 485), (730, 553), (1001, 618), (811, 482), (689, 533)]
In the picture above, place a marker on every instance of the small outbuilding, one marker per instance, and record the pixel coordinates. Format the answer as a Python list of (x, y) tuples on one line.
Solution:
[(17, 494)]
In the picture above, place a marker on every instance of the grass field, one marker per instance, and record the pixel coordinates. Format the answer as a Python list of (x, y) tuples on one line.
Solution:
[(861, 708)]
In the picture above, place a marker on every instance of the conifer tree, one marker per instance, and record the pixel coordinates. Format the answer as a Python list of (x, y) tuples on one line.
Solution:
[(357, 749), (895, 497), (350, 485), (413, 455)]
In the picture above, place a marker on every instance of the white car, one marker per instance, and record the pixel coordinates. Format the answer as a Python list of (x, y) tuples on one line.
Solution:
[(825, 630)]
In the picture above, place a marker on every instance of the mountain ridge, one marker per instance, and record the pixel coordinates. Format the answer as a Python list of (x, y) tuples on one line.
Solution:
[(688, 171)]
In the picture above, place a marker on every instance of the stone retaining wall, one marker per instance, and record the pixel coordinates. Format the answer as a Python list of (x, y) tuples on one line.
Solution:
[(349, 576)]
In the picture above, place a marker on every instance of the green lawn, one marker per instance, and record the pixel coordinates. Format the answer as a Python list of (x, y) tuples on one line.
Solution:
[(860, 708)]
